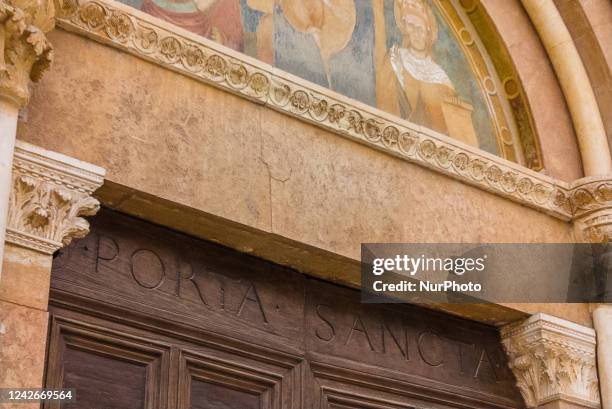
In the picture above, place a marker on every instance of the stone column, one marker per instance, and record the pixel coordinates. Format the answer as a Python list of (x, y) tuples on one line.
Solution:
[(591, 201), (8, 128), (553, 361), (49, 193), (25, 54), (602, 319)]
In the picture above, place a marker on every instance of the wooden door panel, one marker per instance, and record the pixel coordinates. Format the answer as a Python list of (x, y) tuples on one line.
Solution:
[(216, 381), (95, 377), (112, 363), (206, 395), (333, 385), (108, 370), (216, 384)]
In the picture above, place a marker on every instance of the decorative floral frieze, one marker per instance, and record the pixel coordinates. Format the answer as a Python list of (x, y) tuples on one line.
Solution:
[(157, 41), (553, 360), (25, 52), (50, 194)]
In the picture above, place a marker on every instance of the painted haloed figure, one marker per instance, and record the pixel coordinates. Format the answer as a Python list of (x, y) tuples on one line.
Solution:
[(409, 83)]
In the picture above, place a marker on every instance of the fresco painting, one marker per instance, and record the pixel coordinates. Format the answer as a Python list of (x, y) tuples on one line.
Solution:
[(409, 82), (219, 20), (397, 55)]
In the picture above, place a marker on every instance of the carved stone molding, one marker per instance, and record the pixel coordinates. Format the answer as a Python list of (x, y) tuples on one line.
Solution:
[(553, 360), (159, 42), (50, 194), (25, 52)]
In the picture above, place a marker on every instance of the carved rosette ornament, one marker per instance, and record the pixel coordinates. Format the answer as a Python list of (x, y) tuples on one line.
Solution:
[(162, 43), (591, 201), (50, 194), (553, 360)]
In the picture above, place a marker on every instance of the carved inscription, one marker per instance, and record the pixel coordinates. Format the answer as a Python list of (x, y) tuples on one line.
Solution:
[(173, 275), (150, 270), (401, 341), (170, 277), (403, 338)]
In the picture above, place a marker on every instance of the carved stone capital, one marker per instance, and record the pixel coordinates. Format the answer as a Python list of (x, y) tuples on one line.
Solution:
[(50, 193), (25, 52), (553, 360), (591, 201)]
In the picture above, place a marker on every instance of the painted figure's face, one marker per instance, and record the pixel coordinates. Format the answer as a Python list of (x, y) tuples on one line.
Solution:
[(415, 29)]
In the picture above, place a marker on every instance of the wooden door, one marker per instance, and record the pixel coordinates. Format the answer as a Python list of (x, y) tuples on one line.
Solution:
[(144, 317)]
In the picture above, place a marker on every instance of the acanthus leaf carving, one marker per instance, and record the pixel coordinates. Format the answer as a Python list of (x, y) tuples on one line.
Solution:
[(591, 202), (50, 196), (553, 359), (25, 51)]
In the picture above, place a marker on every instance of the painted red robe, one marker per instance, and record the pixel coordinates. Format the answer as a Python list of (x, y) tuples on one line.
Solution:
[(223, 15)]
